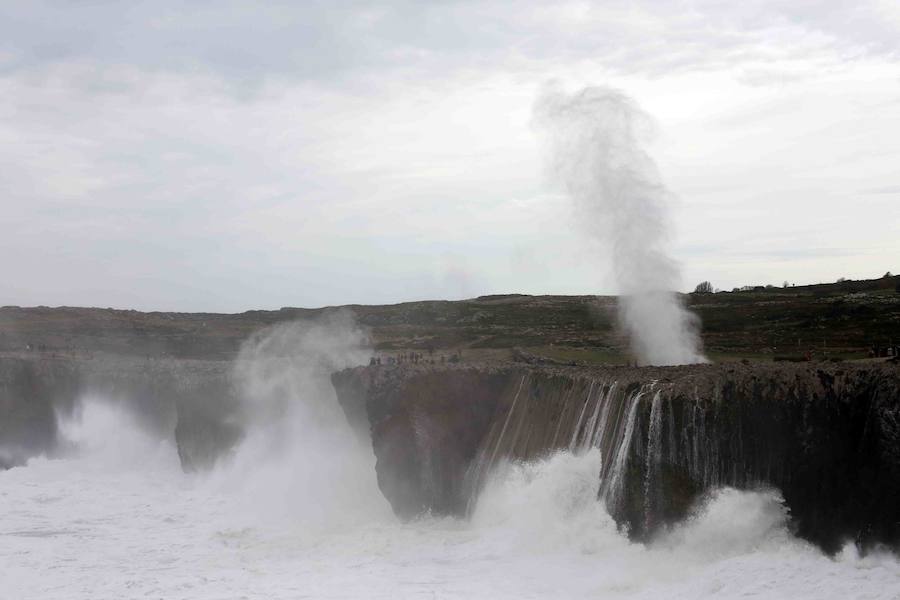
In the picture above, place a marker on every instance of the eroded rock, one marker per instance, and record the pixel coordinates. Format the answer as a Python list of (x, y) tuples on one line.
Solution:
[(826, 435)]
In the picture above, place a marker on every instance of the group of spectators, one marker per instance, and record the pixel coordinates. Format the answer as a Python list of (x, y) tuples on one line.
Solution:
[(416, 358)]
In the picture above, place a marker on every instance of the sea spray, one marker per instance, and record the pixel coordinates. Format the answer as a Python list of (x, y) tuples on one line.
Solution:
[(77, 527), (107, 435), (299, 460), (595, 141)]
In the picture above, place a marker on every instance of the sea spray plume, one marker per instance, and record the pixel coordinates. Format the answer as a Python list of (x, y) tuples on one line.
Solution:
[(299, 462), (284, 371), (594, 140)]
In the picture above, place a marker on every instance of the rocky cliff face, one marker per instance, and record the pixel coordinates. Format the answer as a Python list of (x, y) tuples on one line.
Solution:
[(31, 394), (426, 430), (826, 435), (193, 400)]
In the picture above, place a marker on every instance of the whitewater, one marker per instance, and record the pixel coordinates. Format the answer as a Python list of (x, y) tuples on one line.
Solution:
[(112, 515)]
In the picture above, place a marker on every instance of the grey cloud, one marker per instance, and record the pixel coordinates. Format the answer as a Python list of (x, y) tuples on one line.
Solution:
[(246, 42), (147, 162), (239, 40)]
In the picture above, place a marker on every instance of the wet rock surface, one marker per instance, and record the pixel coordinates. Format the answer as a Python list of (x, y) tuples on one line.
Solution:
[(31, 394), (827, 435), (426, 430), (193, 400)]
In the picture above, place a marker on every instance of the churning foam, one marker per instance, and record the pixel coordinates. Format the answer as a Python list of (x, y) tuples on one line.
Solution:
[(115, 518), (107, 436)]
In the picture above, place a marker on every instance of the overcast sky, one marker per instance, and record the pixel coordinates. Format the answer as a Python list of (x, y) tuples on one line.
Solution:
[(223, 156)]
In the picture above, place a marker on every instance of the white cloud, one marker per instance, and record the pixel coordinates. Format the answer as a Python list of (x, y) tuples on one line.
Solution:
[(226, 157)]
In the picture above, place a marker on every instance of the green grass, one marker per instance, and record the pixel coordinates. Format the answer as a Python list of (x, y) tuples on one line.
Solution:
[(846, 318), (590, 356)]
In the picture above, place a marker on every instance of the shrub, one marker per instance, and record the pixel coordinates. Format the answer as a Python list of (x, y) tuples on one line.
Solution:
[(704, 287)]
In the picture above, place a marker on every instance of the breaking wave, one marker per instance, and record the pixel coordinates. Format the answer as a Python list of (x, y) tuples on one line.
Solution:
[(114, 516)]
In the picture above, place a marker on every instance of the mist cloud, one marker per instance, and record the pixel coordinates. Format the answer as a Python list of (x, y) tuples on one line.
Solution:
[(595, 147)]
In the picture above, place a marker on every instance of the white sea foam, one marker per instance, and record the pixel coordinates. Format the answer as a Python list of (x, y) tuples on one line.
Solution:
[(299, 464), (116, 518)]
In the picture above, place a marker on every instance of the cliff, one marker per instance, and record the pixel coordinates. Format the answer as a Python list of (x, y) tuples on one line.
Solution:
[(826, 435), (196, 400), (31, 394)]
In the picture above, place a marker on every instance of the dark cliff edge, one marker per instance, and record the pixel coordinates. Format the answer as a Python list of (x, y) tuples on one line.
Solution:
[(32, 393), (194, 402), (826, 435)]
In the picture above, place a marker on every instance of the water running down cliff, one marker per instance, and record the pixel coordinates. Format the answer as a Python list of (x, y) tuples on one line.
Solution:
[(605, 423)]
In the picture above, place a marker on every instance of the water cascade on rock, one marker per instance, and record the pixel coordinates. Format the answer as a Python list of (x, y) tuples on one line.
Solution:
[(824, 436), (592, 414)]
